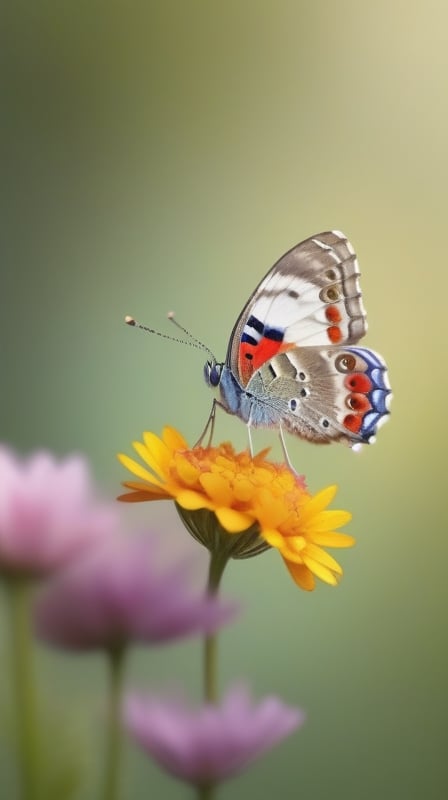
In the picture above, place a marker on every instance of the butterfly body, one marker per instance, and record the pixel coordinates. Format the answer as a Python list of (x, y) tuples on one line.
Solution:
[(293, 362)]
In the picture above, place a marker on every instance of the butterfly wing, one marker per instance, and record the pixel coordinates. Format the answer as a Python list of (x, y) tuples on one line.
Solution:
[(311, 296), (290, 347), (323, 394)]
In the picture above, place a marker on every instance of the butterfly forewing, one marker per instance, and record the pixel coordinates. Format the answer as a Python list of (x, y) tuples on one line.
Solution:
[(311, 296)]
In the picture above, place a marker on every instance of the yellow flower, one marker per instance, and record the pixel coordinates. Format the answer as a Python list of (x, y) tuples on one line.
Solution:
[(244, 495), (299, 526)]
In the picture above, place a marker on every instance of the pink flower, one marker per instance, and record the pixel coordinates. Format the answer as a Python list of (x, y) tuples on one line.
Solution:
[(47, 512), (120, 593), (208, 745)]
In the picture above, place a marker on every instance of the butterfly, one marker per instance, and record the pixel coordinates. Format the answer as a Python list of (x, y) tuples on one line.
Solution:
[(293, 360)]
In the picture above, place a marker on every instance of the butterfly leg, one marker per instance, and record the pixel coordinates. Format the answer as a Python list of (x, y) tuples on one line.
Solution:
[(210, 425), (285, 452), (249, 436)]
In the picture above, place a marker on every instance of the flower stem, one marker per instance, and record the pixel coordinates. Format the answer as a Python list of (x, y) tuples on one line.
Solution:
[(218, 562), (205, 792), (210, 670), (18, 590), (114, 732)]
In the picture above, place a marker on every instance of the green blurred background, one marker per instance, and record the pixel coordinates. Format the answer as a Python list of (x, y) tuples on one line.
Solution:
[(162, 155)]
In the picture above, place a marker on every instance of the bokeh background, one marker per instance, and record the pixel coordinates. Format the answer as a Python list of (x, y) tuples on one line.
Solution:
[(162, 155)]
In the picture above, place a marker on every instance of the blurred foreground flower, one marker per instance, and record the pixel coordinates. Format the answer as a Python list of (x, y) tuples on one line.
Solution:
[(48, 517), (119, 593), (48, 513), (260, 503), (208, 745)]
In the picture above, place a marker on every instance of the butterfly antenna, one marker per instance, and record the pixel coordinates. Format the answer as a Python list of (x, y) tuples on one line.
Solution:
[(172, 318), (191, 342)]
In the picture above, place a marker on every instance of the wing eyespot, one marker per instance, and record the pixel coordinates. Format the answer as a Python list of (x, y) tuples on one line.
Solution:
[(305, 392), (358, 402), (345, 362), (325, 422), (292, 404), (330, 294), (331, 274), (301, 376)]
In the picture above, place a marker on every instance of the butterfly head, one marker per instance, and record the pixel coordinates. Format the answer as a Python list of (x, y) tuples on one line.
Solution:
[(212, 373)]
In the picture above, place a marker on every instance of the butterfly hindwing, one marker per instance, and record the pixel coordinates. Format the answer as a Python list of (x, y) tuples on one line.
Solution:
[(322, 394), (311, 296)]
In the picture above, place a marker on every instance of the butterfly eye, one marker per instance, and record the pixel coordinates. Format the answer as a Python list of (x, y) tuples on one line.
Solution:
[(330, 294), (345, 363), (212, 373)]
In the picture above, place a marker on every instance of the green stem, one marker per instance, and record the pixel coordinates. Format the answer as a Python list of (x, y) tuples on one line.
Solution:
[(114, 731), (18, 591), (216, 569), (217, 566), (210, 669), (206, 792)]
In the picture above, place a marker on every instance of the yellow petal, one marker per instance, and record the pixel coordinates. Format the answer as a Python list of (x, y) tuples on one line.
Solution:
[(301, 575), (136, 468), (272, 537), (322, 557), (333, 539), (187, 472), (191, 501), (318, 502), (329, 520), (269, 511), (243, 489), (217, 488), (173, 439), (140, 497), (145, 487), (234, 521), (159, 451), (262, 475), (147, 457), (320, 571), (292, 548)]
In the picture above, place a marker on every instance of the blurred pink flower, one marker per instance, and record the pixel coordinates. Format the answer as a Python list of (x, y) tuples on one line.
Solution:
[(47, 512), (208, 745), (120, 593)]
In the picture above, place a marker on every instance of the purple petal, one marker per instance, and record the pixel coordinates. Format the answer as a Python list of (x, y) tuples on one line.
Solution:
[(119, 592), (48, 512), (211, 743)]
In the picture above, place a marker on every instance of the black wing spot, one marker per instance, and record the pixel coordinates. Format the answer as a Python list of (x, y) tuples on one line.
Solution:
[(272, 370), (255, 323), (248, 339), (274, 334), (249, 356), (293, 294)]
